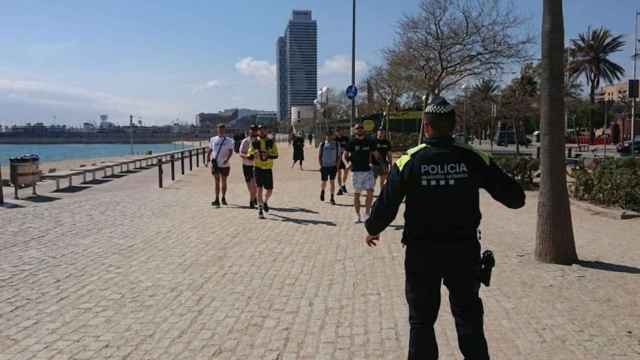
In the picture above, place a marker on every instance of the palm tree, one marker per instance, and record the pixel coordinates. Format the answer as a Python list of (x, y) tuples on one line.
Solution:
[(486, 92), (590, 54), (554, 236)]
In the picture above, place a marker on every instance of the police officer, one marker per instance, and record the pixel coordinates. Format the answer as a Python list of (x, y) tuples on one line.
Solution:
[(440, 181)]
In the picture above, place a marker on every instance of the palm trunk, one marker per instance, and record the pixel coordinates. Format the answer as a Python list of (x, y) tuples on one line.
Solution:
[(554, 237)]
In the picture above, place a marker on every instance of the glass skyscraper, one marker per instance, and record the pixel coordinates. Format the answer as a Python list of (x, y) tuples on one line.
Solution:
[(297, 63)]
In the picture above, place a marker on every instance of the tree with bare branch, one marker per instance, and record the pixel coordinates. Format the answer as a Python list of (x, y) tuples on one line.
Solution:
[(449, 41)]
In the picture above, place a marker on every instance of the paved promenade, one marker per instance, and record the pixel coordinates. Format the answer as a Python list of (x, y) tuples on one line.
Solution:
[(124, 270)]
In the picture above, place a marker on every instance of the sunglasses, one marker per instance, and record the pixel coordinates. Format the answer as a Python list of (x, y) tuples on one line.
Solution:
[(359, 128)]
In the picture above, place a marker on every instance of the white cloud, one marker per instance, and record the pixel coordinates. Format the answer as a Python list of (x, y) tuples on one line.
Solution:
[(341, 64), (261, 70), (78, 99), (206, 86)]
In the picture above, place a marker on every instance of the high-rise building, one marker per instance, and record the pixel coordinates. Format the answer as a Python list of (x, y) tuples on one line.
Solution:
[(297, 63), (281, 65)]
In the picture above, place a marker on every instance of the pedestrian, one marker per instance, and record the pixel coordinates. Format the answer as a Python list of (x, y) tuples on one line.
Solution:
[(237, 141), (440, 181), (219, 152), (359, 154), (382, 158), (263, 151), (343, 171), (247, 164), (298, 150), (310, 137), (328, 157)]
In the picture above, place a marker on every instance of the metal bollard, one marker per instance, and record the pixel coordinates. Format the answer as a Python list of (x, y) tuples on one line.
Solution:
[(538, 153), (197, 158), (182, 162), (190, 160), (160, 173), (204, 156), (173, 167), (1, 192), (569, 152)]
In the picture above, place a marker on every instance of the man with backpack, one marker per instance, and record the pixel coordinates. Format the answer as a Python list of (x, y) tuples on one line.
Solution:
[(329, 157)]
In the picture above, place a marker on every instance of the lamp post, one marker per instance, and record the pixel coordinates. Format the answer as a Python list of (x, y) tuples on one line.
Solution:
[(131, 133), (464, 113), (635, 77), (353, 67)]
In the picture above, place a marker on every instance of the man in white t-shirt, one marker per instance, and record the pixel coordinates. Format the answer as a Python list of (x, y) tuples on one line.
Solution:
[(247, 164), (220, 151)]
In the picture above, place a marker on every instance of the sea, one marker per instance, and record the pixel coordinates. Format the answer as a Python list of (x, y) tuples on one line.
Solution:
[(56, 152)]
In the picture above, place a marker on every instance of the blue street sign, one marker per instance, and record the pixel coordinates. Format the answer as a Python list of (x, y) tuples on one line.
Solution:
[(352, 92)]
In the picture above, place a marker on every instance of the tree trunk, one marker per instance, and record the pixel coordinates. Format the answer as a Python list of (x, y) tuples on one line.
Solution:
[(554, 237)]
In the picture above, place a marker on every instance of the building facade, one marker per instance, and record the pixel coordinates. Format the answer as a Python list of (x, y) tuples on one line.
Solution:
[(281, 65), (297, 53)]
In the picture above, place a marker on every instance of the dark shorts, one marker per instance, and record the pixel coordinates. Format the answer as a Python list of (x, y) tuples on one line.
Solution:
[(381, 168), (342, 165), (220, 171), (327, 173), (264, 178), (247, 170)]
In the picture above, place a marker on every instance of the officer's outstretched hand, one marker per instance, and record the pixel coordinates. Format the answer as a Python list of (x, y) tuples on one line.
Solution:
[(372, 240)]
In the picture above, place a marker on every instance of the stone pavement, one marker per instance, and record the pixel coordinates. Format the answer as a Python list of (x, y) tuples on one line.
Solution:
[(124, 270)]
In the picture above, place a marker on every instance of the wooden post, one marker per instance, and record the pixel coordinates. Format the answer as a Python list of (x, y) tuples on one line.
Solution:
[(182, 162), (160, 173), (173, 168), (204, 155), (1, 192), (198, 158), (190, 160)]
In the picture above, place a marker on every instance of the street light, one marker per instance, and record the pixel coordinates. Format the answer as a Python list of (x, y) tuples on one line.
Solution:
[(131, 133), (635, 77), (464, 113), (353, 67)]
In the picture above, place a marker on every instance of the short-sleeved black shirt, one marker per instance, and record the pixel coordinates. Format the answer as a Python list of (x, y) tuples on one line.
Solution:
[(343, 141), (360, 150), (382, 146)]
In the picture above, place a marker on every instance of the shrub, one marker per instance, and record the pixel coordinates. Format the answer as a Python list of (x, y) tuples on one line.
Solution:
[(611, 182), (522, 169), (402, 142)]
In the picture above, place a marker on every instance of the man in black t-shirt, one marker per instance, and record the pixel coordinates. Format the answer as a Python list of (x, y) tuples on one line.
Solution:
[(360, 152), (343, 170), (381, 157)]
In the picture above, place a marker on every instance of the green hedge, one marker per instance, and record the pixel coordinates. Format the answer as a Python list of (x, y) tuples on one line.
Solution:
[(522, 169), (611, 182)]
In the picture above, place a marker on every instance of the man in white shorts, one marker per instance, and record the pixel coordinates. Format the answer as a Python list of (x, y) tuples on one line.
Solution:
[(220, 151), (360, 153)]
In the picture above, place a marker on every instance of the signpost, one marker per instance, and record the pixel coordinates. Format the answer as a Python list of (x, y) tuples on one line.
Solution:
[(352, 92)]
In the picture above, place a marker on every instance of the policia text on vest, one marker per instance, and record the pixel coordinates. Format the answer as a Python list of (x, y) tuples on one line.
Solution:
[(440, 182)]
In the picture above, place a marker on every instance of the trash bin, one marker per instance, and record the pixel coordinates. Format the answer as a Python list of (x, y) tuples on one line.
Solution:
[(24, 171)]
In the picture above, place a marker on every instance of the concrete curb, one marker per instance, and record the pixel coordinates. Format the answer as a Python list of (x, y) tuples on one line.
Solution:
[(615, 214)]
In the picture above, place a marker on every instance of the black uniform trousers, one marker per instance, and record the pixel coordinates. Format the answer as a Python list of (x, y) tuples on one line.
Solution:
[(458, 264)]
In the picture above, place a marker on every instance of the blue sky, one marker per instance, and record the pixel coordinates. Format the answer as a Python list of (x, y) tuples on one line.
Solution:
[(168, 59)]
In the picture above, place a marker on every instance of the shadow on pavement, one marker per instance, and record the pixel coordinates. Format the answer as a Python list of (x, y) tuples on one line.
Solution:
[(40, 199), (97, 181), (294, 210), (115, 176), (10, 206), (303, 221), (72, 189), (605, 266)]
